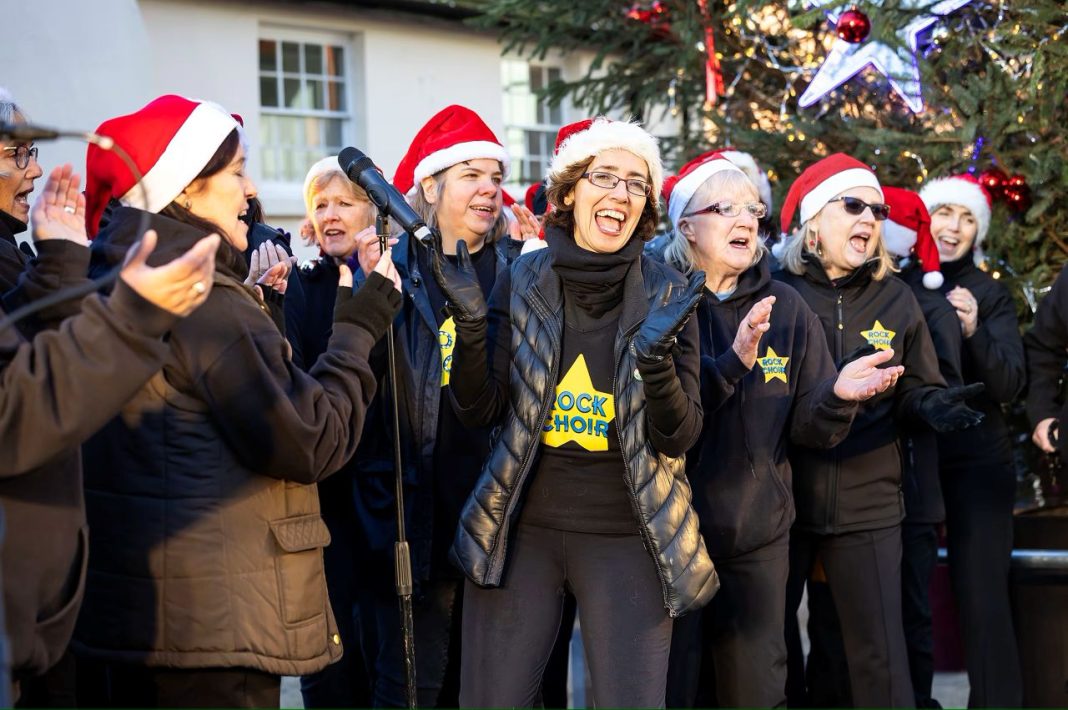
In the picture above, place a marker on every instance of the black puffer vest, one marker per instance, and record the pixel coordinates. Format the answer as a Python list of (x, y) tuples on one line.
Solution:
[(657, 483)]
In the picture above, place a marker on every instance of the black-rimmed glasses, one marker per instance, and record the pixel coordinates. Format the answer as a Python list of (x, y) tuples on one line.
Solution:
[(23, 153), (727, 208), (608, 181), (856, 206)]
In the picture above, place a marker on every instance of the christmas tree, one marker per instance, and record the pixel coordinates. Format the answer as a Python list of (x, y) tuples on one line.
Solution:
[(763, 77)]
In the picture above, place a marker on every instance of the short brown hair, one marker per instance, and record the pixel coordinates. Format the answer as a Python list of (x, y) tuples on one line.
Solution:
[(563, 216)]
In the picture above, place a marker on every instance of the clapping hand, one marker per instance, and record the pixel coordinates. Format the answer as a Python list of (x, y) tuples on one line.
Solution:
[(59, 211), (459, 284), (756, 322), (862, 379), (179, 286), (270, 268), (661, 328)]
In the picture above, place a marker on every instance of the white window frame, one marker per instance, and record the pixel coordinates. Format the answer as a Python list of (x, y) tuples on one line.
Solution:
[(547, 131)]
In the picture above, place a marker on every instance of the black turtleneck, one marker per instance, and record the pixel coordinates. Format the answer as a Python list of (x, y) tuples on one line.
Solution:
[(12, 259)]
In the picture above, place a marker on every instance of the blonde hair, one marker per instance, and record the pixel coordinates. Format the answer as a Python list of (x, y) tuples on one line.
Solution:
[(679, 252), (428, 211), (798, 245)]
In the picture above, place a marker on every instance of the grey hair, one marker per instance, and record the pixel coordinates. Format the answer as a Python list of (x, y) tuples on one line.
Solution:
[(8, 107), (428, 211), (797, 246), (679, 252)]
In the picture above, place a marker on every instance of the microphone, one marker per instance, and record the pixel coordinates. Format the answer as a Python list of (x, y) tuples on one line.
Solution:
[(26, 133), (362, 171)]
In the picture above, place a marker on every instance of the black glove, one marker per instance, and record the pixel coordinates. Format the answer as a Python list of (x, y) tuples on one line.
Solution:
[(372, 306), (658, 333), (459, 284), (944, 409)]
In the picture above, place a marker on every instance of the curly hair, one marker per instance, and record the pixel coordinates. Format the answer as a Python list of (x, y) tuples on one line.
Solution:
[(562, 216)]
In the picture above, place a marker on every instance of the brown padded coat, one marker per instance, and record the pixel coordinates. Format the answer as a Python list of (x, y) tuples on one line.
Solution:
[(206, 540)]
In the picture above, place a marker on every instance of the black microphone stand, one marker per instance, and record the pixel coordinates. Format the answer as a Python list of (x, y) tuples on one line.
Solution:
[(402, 554)]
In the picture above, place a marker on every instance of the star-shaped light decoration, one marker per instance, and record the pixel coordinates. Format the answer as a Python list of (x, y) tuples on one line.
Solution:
[(773, 365), (898, 64)]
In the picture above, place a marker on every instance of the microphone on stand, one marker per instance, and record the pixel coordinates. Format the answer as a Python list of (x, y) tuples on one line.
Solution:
[(362, 171)]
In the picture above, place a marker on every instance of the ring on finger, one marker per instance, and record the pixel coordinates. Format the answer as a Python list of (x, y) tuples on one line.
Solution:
[(751, 326), (69, 209), (198, 287)]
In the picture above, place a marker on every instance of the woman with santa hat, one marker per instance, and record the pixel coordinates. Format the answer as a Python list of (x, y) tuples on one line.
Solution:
[(739, 470), (848, 499), (978, 480), (452, 175), (205, 573), (586, 359)]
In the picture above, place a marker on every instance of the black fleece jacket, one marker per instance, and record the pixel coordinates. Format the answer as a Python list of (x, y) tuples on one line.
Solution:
[(857, 485), (1047, 355), (739, 470), (994, 355)]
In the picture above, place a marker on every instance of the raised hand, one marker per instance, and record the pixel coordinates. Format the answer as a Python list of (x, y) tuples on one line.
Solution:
[(1043, 437), (525, 226), (862, 379), (369, 248), (967, 309), (179, 286), (59, 211), (944, 410), (661, 328), (756, 322), (270, 267), (459, 284)]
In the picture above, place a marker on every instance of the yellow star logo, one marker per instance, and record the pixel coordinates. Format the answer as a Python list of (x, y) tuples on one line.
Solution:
[(773, 365), (446, 341), (879, 337), (580, 413)]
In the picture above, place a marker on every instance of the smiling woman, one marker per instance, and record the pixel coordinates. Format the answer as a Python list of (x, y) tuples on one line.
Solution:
[(592, 366)]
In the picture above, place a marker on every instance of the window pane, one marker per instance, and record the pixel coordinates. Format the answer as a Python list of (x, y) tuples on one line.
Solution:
[(335, 61), (268, 60), (554, 73), (335, 100), (289, 165), (533, 143), (291, 57), (270, 163), (315, 94), (268, 91), (333, 132), (556, 115), (535, 78), (294, 99), (543, 112), (313, 131), (313, 59)]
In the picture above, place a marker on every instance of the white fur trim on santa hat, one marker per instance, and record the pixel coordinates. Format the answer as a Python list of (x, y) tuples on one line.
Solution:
[(606, 134), (749, 166), (322, 167), (200, 135), (458, 153), (688, 186), (956, 191), (826, 191)]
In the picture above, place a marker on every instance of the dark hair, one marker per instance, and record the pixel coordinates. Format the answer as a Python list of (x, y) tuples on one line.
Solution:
[(224, 155), (563, 216)]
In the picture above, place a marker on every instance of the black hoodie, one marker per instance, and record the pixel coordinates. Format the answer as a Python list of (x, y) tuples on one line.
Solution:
[(739, 470), (857, 484), (994, 355), (1047, 355)]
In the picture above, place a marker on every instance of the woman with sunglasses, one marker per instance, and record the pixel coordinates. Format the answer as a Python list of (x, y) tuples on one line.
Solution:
[(732, 653), (978, 479), (848, 499), (586, 360)]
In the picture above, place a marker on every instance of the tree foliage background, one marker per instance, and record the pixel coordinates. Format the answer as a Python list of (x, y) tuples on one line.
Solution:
[(995, 86)]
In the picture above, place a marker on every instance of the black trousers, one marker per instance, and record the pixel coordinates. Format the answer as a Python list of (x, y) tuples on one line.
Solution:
[(509, 631), (732, 653), (979, 502), (864, 577), (919, 554), (122, 685), (436, 608), (344, 683)]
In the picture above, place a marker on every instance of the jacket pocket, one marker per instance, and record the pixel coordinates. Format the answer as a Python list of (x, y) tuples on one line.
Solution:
[(299, 566), (54, 631)]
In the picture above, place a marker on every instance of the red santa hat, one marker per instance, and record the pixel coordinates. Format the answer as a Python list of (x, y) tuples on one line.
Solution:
[(908, 232), (820, 183), (579, 141), (964, 190), (170, 141), (680, 189), (454, 134), (750, 167), (535, 199)]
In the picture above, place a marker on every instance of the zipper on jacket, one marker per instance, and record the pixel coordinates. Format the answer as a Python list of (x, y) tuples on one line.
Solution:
[(628, 477), (836, 461), (497, 560)]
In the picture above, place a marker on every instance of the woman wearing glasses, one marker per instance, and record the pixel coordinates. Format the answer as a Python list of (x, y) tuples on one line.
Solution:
[(848, 498), (18, 171), (593, 370), (733, 654)]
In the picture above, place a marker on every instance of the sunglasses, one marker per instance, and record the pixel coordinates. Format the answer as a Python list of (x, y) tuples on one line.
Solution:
[(856, 206)]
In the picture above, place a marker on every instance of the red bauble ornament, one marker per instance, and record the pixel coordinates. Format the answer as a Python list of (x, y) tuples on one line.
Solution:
[(654, 15), (1017, 194), (853, 26), (995, 181)]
